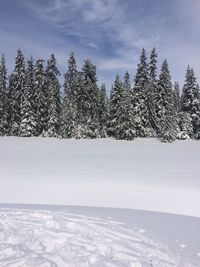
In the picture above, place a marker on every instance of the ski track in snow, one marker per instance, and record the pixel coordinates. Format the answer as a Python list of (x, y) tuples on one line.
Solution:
[(42, 238)]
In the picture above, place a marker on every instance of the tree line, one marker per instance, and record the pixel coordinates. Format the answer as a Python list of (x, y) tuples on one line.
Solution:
[(31, 103)]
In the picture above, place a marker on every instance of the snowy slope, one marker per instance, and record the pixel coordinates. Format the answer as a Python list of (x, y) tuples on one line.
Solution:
[(141, 174), (37, 236)]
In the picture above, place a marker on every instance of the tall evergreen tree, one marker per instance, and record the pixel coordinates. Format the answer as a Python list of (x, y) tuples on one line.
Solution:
[(53, 98), (153, 66), (150, 94), (69, 127), (115, 101), (142, 72), (71, 78), (28, 117), (17, 89), (87, 101), (143, 98), (125, 127), (190, 100), (4, 101), (39, 97), (165, 106)]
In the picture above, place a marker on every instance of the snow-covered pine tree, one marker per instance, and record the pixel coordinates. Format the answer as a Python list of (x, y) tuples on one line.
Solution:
[(142, 72), (177, 96), (115, 101), (190, 100), (103, 111), (127, 83), (53, 98), (150, 93), (17, 89), (140, 97), (28, 116), (40, 99), (4, 101), (152, 67), (125, 127), (69, 128), (165, 106), (71, 78), (87, 102)]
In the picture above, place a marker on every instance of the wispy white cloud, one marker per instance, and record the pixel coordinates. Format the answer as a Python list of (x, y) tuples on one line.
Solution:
[(101, 24), (109, 32)]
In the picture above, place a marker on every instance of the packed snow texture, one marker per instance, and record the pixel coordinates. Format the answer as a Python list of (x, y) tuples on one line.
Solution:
[(141, 174), (50, 238)]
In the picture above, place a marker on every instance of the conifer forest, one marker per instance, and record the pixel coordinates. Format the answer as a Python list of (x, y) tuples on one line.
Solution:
[(34, 103)]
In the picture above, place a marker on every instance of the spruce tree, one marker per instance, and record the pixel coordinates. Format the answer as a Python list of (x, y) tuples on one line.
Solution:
[(40, 98), (115, 101), (17, 89), (28, 117), (165, 106), (190, 100), (141, 98), (71, 79), (152, 67), (4, 101), (88, 102), (125, 127), (150, 94), (142, 73), (69, 127), (53, 98)]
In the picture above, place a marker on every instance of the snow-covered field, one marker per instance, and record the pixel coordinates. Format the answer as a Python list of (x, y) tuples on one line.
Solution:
[(143, 174)]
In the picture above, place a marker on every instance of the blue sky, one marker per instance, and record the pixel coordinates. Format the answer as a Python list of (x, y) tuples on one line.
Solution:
[(109, 32)]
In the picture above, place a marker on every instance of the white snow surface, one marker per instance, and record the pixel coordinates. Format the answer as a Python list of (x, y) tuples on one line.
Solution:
[(50, 238), (141, 174)]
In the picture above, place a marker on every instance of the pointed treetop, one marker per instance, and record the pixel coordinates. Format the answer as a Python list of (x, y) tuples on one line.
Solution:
[(89, 71), (165, 74), (71, 61), (142, 72), (153, 65), (3, 73), (19, 62), (51, 66), (127, 84)]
